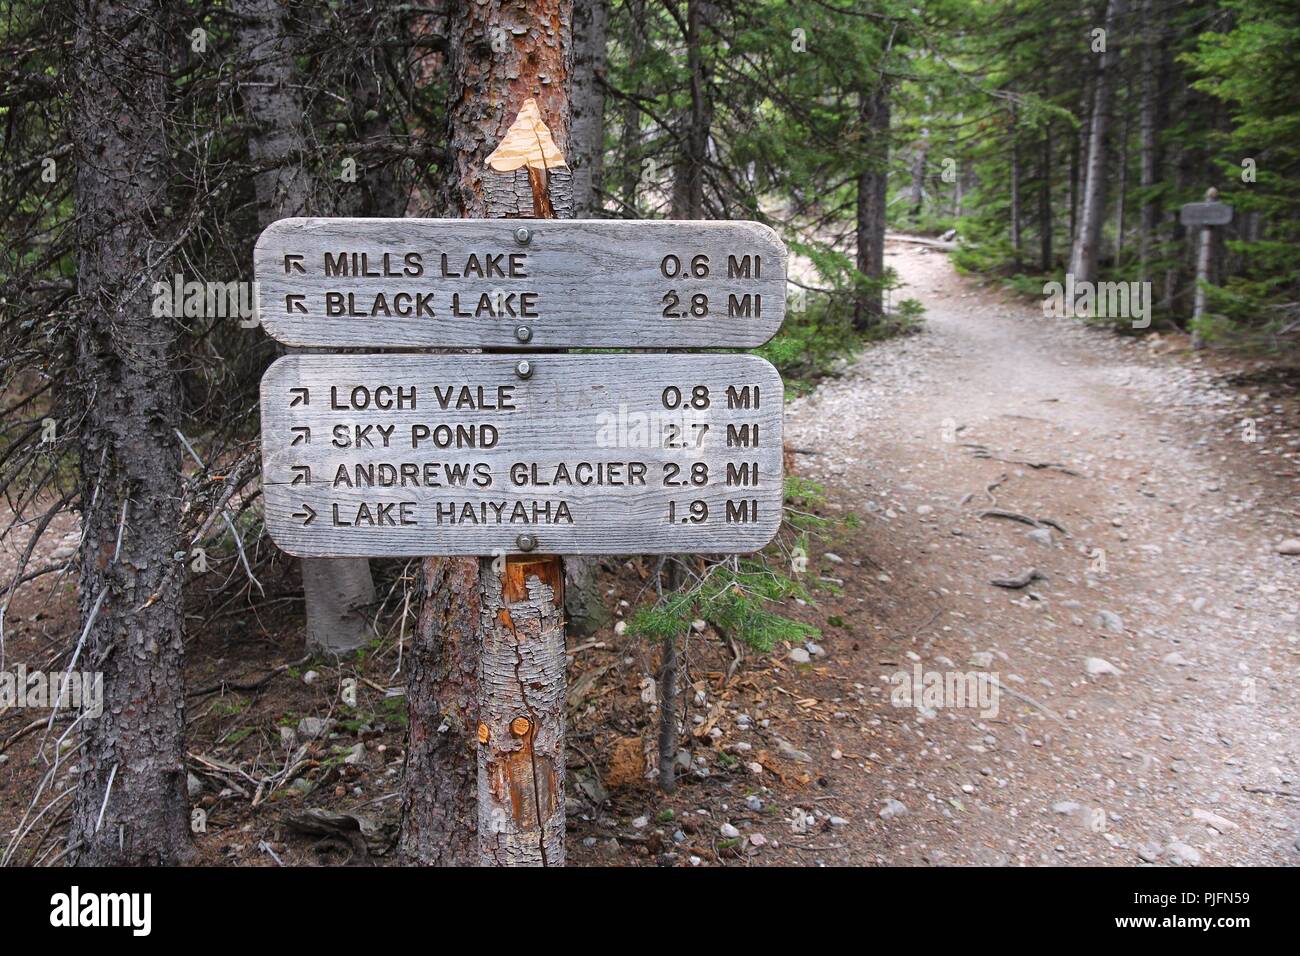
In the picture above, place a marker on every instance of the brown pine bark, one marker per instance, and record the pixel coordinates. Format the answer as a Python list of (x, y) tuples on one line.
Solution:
[(439, 804), (131, 806)]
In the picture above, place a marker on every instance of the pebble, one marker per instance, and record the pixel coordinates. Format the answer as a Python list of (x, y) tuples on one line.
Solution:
[(1222, 824), (310, 677), (754, 802), (1181, 854), (640, 823), (893, 808), (1176, 659), (313, 727), (757, 839), (1040, 535), (799, 655), (728, 832), (790, 752), (1110, 621), (1289, 546), (923, 510), (833, 558), (1097, 666), (816, 650), (839, 822)]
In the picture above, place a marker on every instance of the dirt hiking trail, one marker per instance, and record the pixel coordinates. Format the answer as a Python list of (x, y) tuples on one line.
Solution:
[(1146, 673)]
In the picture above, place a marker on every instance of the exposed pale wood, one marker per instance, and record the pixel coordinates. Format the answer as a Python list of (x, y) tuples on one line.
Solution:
[(527, 142), (573, 408), (598, 283)]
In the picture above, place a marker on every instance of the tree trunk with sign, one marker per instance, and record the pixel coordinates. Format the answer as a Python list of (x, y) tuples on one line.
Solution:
[(475, 696), (131, 806)]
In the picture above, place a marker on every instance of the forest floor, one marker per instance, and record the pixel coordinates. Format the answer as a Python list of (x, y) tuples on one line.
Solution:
[(1146, 700)]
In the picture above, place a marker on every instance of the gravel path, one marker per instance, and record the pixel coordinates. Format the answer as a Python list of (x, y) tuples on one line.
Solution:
[(1147, 701)]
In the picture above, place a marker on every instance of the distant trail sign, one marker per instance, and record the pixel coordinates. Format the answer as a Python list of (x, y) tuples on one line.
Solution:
[(411, 455), (512, 283), (1205, 214)]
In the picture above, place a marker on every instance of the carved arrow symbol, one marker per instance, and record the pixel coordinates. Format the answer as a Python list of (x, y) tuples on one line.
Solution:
[(291, 260), (307, 512), (301, 435), (293, 303), (301, 475), (301, 396)]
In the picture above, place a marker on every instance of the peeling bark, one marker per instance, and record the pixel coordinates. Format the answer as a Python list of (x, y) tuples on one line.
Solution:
[(521, 714), (502, 52)]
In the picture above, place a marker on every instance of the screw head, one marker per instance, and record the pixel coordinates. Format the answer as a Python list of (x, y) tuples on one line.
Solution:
[(524, 368), (522, 235), (523, 333), (526, 542)]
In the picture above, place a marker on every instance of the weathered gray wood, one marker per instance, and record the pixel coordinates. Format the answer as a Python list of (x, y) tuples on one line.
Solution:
[(572, 410), (590, 283), (1205, 214)]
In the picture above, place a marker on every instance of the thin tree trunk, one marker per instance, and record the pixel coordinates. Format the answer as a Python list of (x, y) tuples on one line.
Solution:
[(590, 18), (131, 806), (1149, 140), (920, 156), (873, 114), (1087, 239), (335, 590), (1121, 162), (688, 185), (667, 689), (631, 122), (1015, 192), (1045, 205)]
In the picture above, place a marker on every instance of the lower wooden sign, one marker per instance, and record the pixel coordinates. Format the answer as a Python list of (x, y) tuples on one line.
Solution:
[(412, 455)]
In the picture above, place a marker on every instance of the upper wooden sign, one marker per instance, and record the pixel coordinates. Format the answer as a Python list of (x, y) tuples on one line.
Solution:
[(1205, 214), (408, 455), (520, 283)]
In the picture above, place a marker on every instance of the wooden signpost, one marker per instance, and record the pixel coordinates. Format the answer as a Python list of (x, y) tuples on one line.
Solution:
[(521, 454), (1205, 215)]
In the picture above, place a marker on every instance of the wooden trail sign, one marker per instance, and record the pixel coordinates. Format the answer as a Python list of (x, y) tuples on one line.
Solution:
[(409, 455), (1205, 214), (510, 283)]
